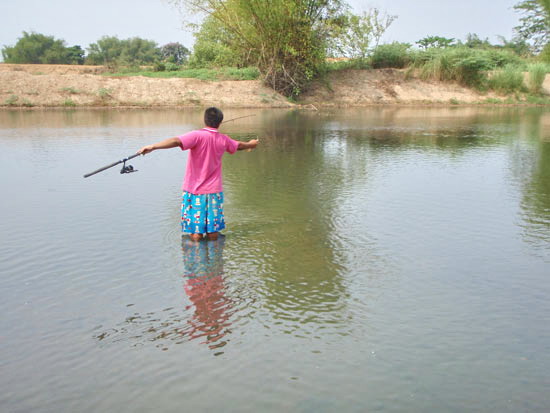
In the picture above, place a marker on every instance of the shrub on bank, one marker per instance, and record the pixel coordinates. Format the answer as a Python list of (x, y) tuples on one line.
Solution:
[(537, 74), (166, 66), (463, 64), (507, 80), (395, 55)]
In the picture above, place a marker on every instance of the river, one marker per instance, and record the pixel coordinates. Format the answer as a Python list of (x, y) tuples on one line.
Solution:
[(375, 259)]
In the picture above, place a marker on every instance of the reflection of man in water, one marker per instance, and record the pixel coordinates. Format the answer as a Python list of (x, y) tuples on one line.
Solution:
[(203, 263)]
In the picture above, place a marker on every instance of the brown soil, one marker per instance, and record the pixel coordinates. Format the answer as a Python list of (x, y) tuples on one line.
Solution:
[(64, 85)]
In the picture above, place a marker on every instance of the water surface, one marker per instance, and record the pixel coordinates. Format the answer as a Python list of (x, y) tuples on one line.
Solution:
[(375, 259)]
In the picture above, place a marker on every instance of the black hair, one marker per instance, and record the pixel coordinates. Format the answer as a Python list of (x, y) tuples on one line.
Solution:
[(213, 117)]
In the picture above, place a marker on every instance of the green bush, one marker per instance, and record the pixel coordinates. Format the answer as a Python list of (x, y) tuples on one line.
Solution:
[(461, 64), (472, 70), (210, 54), (172, 67), (503, 57), (159, 67), (437, 66), (507, 80), (394, 55), (537, 74), (165, 66), (544, 56)]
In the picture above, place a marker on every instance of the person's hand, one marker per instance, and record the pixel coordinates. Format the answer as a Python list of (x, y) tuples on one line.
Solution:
[(146, 149), (253, 143)]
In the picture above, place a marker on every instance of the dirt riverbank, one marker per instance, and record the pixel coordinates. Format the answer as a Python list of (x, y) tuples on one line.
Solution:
[(71, 86)]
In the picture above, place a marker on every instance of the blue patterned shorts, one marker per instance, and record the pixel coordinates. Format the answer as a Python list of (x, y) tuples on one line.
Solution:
[(202, 213)]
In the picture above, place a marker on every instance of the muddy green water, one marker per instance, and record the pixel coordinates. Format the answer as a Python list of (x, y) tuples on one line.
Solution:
[(375, 259)]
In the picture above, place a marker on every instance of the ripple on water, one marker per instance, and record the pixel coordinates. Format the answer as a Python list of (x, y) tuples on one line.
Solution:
[(394, 244)]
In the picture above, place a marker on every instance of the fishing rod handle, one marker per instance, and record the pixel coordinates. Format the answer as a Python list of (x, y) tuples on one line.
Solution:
[(131, 157)]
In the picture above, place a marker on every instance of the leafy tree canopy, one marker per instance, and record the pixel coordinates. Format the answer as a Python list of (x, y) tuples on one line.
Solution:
[(357, 35), (212, 46), (535, 22), (473, 41), (174, 53), (112, 50), (75, 55), (35, 48), (287, 40), (435, 41)]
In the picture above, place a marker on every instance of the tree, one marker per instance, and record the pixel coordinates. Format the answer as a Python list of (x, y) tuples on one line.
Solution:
[(212, 46), (285, 39), (355, 36), (517, 45), (112, 50), (35, 48), (435, 41), (107, 50), (74, 55), (139, 51), (473, 41), (535, 22), (174, 53)]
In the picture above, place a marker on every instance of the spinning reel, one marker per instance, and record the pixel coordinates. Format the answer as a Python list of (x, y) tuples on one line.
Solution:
[(127, 169)]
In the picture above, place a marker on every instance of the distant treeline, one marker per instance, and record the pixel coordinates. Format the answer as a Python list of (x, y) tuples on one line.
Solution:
[(36, 48)]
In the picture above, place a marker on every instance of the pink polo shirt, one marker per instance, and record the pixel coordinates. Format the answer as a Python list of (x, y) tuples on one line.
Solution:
[(204, 164)]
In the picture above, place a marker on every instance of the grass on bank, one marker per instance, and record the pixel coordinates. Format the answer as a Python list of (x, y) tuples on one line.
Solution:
[(507, 80), (537, 74), (226, 73), (494, 69)]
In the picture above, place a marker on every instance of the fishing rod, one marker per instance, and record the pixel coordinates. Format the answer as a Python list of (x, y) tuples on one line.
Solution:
[(126, 169), (240, 117)]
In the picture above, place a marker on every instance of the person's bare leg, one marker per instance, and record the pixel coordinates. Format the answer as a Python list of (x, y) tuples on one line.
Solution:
[(195, 237), (212, 236)]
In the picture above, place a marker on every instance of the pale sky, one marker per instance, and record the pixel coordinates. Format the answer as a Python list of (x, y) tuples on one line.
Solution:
[(83, 22)]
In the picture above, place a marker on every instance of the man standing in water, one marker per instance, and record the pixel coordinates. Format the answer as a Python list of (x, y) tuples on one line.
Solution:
[(202, 199)]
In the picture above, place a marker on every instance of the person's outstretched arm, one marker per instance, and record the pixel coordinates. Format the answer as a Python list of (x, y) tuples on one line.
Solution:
[(165, 144), (247, 145)]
